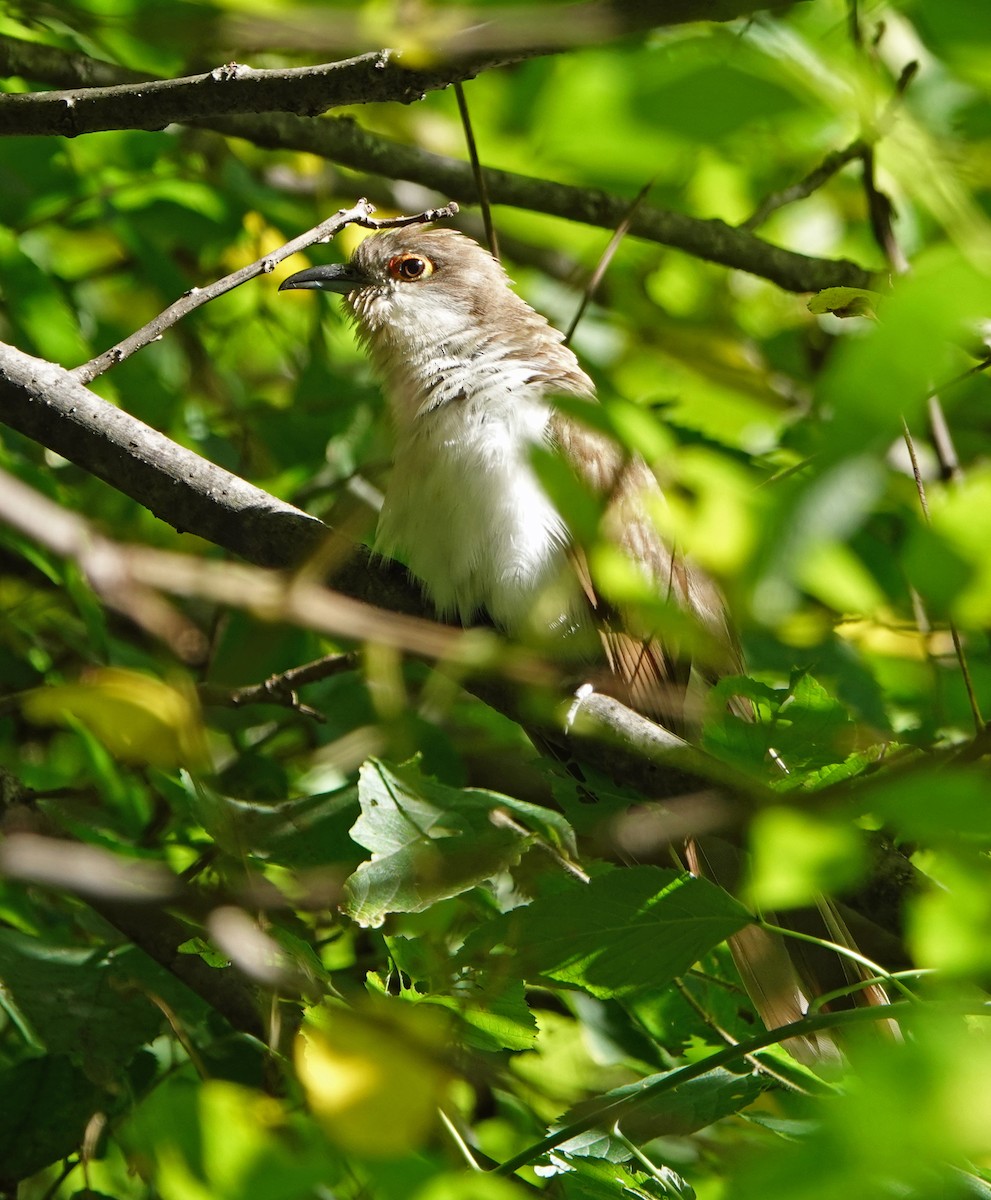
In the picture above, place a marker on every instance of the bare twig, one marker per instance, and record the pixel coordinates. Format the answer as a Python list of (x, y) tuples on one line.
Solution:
[(860, 149), (476, 167), (622, 229), (833, 162), (728, 1039), (946, 451), (281, 688), (360, 214), (920, 487), (714, 240)]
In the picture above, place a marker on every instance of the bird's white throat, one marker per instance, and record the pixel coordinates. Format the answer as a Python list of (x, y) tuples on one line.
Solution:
[(463, 508)]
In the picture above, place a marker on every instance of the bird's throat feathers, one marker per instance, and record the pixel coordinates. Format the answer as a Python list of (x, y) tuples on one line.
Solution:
[(457, 334)]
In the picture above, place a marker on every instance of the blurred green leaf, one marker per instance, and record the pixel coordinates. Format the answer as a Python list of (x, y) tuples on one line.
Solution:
[(798, 856)]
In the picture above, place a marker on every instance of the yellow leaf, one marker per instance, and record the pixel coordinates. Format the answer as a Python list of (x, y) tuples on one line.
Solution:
[(137, 717), (374, 1078)]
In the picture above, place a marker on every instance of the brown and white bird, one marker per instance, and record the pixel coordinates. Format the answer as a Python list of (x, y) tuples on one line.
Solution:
[(471, 373)]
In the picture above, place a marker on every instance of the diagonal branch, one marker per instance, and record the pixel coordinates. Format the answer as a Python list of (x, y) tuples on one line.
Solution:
[(344, 142), (360, 214)]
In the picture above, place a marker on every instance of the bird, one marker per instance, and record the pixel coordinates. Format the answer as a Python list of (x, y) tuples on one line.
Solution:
[(474, 378), (471, 374)]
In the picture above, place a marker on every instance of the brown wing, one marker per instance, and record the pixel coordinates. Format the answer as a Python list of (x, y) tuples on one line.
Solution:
[(780, 976), (648, 674)]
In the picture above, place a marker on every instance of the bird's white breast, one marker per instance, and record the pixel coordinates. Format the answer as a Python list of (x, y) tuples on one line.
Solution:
[(464, 509)]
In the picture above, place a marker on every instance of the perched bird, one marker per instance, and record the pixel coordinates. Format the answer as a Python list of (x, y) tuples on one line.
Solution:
[(471, 373)]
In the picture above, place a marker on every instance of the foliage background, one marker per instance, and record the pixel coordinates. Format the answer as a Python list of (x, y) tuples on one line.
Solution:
[(468, 968)]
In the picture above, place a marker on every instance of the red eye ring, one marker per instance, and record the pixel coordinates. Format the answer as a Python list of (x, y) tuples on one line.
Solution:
[(408, 268)]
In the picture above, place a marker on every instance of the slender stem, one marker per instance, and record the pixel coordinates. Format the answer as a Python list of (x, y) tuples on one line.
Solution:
[(476, 168), (602, 265), (618, 1109), (815, 179), (961, 655), (845, 952), (730, 1040), (455, 1135), (861, 984)]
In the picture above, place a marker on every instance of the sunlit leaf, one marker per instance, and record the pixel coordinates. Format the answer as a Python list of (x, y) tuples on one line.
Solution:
[(374, 1078), (593, 936), (430, 841), (137, 717), (797, 856)]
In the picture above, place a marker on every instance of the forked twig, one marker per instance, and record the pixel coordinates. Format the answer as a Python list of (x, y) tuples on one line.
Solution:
[(360, 214)]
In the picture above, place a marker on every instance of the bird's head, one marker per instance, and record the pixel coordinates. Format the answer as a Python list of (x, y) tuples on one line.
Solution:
[(413, 279)]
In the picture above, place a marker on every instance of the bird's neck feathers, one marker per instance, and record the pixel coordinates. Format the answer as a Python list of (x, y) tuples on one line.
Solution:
[(484, 348)]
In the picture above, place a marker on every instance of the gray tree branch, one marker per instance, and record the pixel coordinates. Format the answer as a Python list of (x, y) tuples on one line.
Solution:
[(342, 141), (346, 143), (233, 88)]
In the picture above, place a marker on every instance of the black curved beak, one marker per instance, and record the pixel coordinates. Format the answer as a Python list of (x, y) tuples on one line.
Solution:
[(332, 277)]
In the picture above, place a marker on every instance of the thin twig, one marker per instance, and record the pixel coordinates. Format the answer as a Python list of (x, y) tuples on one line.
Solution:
[(360, 214), (958, 647), (920, 486), (476, 167), (757, 1063), (860, 148), (844, 952), (281, 688), (946, 451), (622, 229), (833, 162)]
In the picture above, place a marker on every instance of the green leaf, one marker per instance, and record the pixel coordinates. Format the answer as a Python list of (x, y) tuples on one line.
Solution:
[(875, 380), (79, 1002), (626, 932), (681, 1111), (797, 856), (803, 725), (430, 841), (218, 1140), (845, 302), (932, 804), (45, 1105)]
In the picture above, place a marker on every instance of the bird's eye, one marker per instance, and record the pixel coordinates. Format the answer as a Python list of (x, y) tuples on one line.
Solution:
[(407, 268)]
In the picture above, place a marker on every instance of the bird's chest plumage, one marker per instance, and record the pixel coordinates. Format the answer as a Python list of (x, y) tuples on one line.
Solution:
[(464, 509)]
